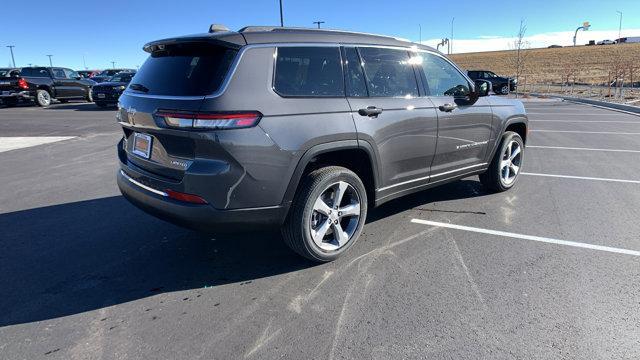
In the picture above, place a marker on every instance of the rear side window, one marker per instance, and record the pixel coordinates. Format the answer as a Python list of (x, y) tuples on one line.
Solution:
[(355, 81), (35, 72), (193, 69), (389, 72), (309, 71)]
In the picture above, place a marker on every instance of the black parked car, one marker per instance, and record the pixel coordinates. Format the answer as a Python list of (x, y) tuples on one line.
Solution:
[(238, 129), (108, 92), (105, 75), (501, 85), (44, 84)]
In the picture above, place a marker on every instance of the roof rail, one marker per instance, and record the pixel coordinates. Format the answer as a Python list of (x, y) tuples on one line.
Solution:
[(284, 29)]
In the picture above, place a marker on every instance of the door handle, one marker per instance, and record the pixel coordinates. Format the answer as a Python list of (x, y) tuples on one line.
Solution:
[(370, 111), (447, 107)]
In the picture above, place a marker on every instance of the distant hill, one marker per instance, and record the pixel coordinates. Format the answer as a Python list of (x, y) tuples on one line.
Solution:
[(582, 64)]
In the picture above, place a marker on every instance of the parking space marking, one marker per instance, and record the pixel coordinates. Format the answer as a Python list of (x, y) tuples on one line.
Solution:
[(21, 142), (582, 178), (528, 237), (587, 132), (587, 121), (580, 148)]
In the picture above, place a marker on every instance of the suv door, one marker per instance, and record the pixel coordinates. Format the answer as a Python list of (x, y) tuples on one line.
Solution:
[(383, 92), (63, 85), (463, 130), (76, 87)]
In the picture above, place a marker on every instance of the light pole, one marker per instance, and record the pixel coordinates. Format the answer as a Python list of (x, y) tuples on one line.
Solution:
[(281, 17), (318, 23), (113, 64), (11, 50), (585, 26), (420, 33), (451, 38), (50, 63), (619, 28)]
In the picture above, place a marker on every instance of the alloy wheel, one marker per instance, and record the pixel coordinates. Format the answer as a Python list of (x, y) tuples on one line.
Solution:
[(335, 216), (511, 162), (44, 98)]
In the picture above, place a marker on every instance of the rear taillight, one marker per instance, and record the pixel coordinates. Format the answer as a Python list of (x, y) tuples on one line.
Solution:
[(22, 84), (190, 198), (201, 121)]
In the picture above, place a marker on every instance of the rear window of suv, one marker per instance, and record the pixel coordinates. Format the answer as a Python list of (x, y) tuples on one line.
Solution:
[(192, 69)]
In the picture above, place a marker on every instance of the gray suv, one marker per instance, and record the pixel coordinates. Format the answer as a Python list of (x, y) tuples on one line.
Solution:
[(306, 130)]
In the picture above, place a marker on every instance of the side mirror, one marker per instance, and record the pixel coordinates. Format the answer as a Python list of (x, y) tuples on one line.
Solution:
[(483, 87)]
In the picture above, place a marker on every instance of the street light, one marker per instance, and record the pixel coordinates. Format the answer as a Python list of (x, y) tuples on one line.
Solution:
[(50, 63), (585, 26), (12, 59), (619, 28), (318, 23), (442, 43), (281, 18), (451, 38), (113, 64)]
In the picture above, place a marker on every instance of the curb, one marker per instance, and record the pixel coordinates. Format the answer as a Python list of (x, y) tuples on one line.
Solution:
[(629, 109)]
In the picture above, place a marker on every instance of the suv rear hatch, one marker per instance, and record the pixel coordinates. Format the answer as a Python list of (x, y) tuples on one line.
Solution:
[(173, 81)]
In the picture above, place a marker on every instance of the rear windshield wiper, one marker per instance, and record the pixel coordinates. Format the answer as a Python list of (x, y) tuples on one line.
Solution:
[(138, 87)]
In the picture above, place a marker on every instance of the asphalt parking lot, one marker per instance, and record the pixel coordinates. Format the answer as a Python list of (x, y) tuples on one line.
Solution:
[(548, 270)]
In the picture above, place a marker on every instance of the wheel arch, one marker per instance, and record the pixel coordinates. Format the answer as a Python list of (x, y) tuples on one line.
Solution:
[(359, 157), (518, 123)]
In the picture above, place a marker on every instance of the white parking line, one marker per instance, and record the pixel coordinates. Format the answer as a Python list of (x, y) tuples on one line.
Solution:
[(587, 121), (20, 142), (581, 178), (587, 132), (528, 237), (580, 148)]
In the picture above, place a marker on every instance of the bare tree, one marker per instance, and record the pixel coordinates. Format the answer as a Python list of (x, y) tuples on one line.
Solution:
[(519, 59)]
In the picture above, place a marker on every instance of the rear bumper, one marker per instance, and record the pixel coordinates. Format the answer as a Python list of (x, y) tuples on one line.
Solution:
[(15, 95), (147, 195)]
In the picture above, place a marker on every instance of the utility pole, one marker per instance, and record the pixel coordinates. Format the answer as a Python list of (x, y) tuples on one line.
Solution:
[(50, 63), (281, 17), (420, 33), (12, 59), (619, 28), (113, 64), (451, 38), (318, 23)]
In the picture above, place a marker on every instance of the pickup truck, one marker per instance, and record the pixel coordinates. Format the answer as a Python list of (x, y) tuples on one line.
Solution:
[(44, 84), (11, 91)]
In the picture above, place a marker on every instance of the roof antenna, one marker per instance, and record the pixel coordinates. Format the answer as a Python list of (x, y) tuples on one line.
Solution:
[(214, 28)]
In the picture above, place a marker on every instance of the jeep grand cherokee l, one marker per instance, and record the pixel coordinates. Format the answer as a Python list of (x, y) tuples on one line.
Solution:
[(305, 129)]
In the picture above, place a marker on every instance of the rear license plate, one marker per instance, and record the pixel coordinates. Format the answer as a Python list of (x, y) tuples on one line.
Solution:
[(101, 96), (142, 145)]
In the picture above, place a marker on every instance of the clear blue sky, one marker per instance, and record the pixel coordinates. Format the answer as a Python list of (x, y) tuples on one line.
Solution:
[(116, 30)]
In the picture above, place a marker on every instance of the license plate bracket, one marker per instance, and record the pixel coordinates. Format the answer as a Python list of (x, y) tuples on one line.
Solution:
[(142, 145)]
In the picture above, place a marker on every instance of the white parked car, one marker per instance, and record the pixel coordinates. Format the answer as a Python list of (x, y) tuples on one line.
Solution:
[(606, 42)]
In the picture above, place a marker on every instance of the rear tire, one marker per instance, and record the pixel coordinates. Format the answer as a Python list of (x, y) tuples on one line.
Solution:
[(327, 215), (43, 98), (505, 169)]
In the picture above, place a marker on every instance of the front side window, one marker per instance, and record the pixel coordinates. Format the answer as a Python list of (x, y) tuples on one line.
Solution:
[(59, 73), (71, 74), (389, 72), (308, 71), (443, 79)]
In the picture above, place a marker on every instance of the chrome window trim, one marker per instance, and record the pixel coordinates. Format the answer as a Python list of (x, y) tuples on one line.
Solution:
[(236, 62)]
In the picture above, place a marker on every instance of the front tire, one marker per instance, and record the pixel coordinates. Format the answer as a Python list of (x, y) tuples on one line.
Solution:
[(506, 164), (43, 98), (504, 89), (327, 214)]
